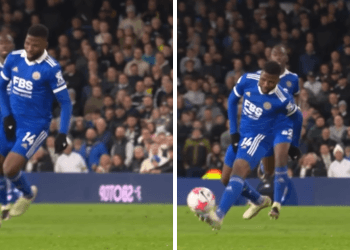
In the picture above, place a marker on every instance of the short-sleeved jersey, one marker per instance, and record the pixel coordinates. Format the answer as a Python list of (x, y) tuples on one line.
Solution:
[(289, 82), (34, 85), (259, 110)]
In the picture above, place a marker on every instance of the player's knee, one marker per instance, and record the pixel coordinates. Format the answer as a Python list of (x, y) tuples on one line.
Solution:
[(12, 165), (241, 168)]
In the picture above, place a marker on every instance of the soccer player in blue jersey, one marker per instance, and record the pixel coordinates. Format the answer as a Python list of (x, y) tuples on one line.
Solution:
[(26, 113), (290, 84), (263, 102), (8, 192)]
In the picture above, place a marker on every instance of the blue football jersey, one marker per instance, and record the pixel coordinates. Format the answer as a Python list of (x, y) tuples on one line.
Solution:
[(8, 86), (34, 85), (289, 82), (259, 110)]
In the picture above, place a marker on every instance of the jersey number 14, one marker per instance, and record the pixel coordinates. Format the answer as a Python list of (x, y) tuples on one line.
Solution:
[(29, 139)]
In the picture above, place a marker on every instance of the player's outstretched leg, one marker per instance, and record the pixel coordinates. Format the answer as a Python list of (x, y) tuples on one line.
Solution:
[(12, 169), (258, 202), (232, 192)]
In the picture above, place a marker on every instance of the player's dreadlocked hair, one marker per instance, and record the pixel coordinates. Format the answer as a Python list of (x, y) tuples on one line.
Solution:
[(38, 30), (272, 68)]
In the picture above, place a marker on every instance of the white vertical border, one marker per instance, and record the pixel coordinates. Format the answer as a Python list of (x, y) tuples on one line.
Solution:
[(175, 124)]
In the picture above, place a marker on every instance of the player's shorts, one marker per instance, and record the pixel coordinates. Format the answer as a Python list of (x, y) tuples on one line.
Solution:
[(29, 137), (283, 133), (230, 156), (5, 144), (251, 148)]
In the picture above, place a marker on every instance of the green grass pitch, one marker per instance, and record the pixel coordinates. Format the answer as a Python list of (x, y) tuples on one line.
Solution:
[(309, 228), (87, 226)]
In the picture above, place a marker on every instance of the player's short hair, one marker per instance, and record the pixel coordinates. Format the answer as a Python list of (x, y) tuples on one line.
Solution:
[(272, 68), (38, 30)]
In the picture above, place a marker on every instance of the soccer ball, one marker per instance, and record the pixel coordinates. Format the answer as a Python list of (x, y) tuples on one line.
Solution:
[(200, 200)]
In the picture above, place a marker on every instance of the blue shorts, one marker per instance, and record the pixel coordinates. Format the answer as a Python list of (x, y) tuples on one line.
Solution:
[(230, 157), (29, 137), (284, 133), (251, 148)]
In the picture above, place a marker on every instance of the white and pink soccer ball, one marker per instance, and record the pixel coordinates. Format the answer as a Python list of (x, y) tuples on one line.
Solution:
[(200, 200)]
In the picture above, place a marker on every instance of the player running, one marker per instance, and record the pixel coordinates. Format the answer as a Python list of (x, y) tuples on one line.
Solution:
[(8, 193), (26, 112), (290, 84), (263, 102)]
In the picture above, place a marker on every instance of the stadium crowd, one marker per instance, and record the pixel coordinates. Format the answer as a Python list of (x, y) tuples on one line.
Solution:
[(116, 58), (218, 41)]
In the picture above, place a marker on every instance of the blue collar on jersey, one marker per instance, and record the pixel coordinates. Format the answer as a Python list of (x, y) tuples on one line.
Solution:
[(270, 93), (39, 60)]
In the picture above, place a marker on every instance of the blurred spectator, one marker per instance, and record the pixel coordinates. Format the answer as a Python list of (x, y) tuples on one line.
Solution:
[(312, 84), (70, 162), (326, 156), (40, 162), (103, 135), (340, 168), (215, 159), (310, 163), (138, 158), (337, 131), (347, 153), (132, 21), (117, 164), (316, 130), (92, 150), (168, 166), (196, 150), (154, 161), (346, 137), (344, 113), (324, 139), (142, 66), (122, 146), (105, 164)]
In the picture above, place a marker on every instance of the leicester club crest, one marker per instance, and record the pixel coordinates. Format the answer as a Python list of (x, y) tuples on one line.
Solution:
[(36, 75), (267, 105), (289, 84)]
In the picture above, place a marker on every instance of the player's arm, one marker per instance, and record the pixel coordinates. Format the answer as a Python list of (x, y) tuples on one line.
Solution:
[(59, 88), (232, 108), (8, 120), (293, 117)]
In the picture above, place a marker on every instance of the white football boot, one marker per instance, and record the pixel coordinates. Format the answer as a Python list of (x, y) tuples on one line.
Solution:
[(22, 204), (253, 209), (213, 219)]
